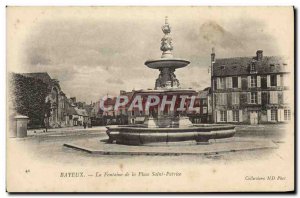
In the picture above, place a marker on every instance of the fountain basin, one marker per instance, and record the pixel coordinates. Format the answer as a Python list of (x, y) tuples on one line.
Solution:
[(139, 135), (167, 62)]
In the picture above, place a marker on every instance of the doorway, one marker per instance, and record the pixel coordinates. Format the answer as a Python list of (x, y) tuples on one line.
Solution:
[(253, 117)]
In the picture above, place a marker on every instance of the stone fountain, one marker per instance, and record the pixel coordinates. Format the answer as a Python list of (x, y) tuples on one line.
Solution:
[(175, 127)]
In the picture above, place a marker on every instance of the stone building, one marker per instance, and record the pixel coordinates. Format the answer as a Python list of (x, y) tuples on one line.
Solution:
[(64, 111), (56, 97), (205, 106), (135, 116), (251, 90)]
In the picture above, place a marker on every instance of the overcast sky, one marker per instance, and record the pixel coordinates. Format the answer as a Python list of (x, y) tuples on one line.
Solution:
[(105, 53)]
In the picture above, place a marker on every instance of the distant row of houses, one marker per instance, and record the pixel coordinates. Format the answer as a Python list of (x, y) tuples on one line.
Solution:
[(64, 111), (137, 116)]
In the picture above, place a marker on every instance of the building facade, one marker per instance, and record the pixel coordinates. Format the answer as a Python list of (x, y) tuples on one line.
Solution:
[(135, 116), (251, 90), (205, 106), (64, 112)]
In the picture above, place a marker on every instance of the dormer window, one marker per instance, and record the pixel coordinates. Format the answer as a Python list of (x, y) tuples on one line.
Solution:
[(223, 67), (253, 68)]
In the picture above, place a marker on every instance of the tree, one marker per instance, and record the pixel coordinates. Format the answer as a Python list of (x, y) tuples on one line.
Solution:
[(29, 99)]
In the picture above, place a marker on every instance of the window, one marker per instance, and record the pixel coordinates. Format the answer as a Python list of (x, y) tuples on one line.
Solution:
[(132, 113), (287, 114), (273, 115), (235, 98), (235, 82), (228, 82), (223, 116), (253, 81), (252, 68), (253, 99), (223, 67), (273, 80), (204, 102), (235, 116), (273, 97), (222, 99), (204, 110), (222, 83)]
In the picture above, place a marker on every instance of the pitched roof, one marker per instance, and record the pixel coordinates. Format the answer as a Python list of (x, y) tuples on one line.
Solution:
[(203, 94), (241, 65)]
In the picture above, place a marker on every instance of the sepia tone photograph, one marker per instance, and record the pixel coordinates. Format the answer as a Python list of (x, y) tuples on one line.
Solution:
[(150, 99)]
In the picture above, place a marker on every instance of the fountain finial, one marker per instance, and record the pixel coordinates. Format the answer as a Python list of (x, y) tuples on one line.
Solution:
[(166, 41)]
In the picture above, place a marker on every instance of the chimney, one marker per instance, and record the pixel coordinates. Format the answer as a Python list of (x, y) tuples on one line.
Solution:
[(259, 55), (213, 55)]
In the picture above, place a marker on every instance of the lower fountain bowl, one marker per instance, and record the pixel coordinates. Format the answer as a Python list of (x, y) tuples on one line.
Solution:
[(139, 135)]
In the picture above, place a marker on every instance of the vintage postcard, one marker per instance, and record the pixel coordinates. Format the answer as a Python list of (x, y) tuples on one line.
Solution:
[(150, 99)]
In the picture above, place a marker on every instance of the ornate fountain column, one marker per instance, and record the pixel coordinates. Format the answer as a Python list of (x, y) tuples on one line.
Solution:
[(166, 41), (167, 64)]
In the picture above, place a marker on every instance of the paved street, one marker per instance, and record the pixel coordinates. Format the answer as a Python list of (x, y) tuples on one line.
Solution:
[(49, 146)]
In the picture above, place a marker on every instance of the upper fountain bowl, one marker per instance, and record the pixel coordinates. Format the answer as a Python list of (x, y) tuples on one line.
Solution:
[(167, 62)]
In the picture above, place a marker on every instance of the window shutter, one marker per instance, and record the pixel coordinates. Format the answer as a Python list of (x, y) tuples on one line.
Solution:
[(259, 97), (248, 97), (279, 118), (221, 99), (282, 115), (218, 83), (239, 82), (227, 82), (286, 95), (230, 82), (233, 98), (229, 116), (269, 115), (218, 116), (271, 97), (268, 81), (249, 81), (224, 99), (258, 81), (278, 80), (240, 115), (275, 97)]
